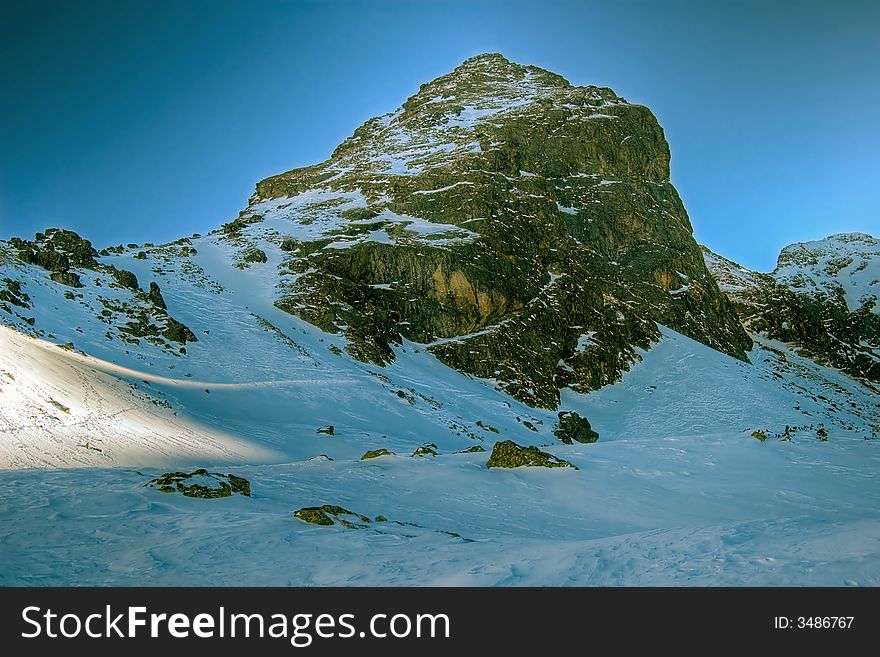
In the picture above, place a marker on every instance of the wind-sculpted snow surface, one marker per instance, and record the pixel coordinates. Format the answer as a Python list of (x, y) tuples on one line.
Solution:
[(677, 490)]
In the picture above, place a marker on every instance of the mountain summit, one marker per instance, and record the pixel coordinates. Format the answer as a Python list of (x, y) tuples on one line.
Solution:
[(525, 230)]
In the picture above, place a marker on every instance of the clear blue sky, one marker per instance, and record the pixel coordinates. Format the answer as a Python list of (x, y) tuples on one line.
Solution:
[(144, 121)]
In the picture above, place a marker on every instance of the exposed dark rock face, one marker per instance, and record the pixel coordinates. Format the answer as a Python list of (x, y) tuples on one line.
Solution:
[(177, 332), (155, 296), (525, 229), (574, 428), (127, 279), (57, 250)]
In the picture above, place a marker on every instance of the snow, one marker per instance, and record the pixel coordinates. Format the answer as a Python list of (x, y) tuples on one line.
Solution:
[(584, 342), (565, 209), (443, 189), (845, 262), (108, 421), (675, 493)]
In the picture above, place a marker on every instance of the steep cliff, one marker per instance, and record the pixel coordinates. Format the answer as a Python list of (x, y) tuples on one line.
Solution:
[(522, 228)]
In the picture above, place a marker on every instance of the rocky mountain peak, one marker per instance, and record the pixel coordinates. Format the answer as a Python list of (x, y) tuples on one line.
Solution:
[(520, 229), (490, 79), (523, 229)]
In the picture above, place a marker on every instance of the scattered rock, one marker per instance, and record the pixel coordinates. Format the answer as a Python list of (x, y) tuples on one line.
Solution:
[(426, 450), (327, 513), (375, 453), (14, 294), (760, 435), (177, 332), (574, 428), (69, 278), (325, 430), (125, 278), (155, 296), (61, 407), (507, 454), (201, 483), (252, 255), (473, 449)]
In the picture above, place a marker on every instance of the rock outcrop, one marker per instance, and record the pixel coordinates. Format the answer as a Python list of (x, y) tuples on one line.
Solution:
[(201, 483), (507, 454), (524, 229), (571, 427)]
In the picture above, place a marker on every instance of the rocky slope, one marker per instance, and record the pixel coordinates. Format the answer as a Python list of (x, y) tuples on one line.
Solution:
[(821, 298), (522, 228)]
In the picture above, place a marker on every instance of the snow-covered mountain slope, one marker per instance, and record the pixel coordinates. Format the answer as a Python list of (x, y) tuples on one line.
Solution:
[(846, 264), (270, 380), (677, 491), (821, 299), (460, 273), (64, 409), (255, 370)]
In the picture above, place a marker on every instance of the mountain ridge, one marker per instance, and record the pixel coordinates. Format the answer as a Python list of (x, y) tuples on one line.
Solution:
[(821, 298)]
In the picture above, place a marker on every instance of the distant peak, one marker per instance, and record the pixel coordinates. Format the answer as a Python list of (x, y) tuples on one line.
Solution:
[(835, 240), (852, 237)]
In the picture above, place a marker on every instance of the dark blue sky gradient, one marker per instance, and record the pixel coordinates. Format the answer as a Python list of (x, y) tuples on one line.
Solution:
[(145, 121)]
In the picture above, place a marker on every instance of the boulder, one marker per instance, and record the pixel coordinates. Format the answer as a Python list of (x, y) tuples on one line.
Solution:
[(507, 454)]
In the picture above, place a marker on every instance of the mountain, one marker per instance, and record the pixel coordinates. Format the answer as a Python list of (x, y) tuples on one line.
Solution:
[(499, 273), (821, 299), (523, 229)]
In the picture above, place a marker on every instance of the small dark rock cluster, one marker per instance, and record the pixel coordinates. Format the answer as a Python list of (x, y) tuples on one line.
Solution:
[(201, 483)]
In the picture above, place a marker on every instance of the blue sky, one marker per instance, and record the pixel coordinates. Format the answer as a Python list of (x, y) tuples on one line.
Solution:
[(144, 121)]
